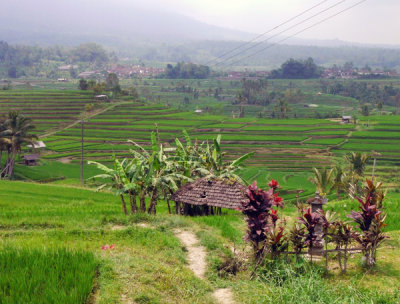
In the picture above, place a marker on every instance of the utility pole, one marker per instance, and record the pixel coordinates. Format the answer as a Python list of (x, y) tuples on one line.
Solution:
[(375, 155), (82, 126)]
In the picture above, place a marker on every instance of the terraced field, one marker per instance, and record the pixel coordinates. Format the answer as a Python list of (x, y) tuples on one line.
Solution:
[(283, 147), (279, 144), (49, 109)]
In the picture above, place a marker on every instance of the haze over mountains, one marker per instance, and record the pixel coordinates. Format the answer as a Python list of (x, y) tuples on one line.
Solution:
[(160, 35)]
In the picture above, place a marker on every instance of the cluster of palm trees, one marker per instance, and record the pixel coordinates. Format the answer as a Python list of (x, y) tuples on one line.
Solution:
[(156, 174), (15, 131), (339, 179)]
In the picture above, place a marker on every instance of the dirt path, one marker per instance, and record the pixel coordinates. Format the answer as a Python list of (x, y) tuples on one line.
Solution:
[(197, 263), (224, 296), (196, 254), (89, 115)]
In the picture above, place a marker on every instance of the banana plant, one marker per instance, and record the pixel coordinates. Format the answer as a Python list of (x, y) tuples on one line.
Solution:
[(116, 178), (216, 167)]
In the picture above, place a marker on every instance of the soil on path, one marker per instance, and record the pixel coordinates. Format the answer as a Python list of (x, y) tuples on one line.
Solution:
[(197, 263), (224, 296), (196, 254)]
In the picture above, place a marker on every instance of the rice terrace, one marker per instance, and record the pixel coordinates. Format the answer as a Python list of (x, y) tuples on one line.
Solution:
[(183, 170)]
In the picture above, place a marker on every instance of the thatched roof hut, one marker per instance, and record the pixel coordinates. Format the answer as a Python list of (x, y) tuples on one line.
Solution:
[(202, 195)]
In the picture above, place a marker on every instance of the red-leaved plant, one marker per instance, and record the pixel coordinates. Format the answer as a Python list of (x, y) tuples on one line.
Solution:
[(262, 218), (370, 221), (310, 220)]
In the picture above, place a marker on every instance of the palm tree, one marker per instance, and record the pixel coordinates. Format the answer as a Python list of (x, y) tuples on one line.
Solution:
[(3, 145), (282, 108), (323, 180), (339, 181), (17, 132), (357, 162)]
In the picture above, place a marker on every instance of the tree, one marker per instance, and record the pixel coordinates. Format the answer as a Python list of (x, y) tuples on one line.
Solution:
[(184, 70), (379, 106), (16, 132), (339, 181), (282, 108), (357, 162), (99, 88), (83, 84), (323, 180), (12, 72), (116, 178), (90, 52), (112, 84), (297, 69), (134, 93), (365, 110)]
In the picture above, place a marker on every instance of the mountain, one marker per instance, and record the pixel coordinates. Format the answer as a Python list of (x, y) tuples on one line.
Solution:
[(72, 22)]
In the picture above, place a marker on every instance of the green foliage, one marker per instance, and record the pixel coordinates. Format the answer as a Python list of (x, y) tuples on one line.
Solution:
[(322, 179), (370, 221), (184, 70), (297, 69), (15, 131), (253, 92), (83, 84)]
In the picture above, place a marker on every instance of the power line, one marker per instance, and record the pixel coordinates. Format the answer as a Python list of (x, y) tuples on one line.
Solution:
[(299, 32), (267, 32), (281, 32)]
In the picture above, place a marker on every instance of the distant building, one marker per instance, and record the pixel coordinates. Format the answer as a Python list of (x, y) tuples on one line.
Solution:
[(101, 98), (31, 159), (88, 74), (37, 145), (62, 80), (198, 111), (67, 67), (346, 119)]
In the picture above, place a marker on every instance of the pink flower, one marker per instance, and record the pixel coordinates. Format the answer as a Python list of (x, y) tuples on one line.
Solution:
[(112, 246), (105, 247)]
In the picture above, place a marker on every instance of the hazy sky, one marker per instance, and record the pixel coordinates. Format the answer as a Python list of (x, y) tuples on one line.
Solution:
[(374, 21)]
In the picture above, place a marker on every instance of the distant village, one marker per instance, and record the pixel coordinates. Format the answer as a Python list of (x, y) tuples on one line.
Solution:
[(140, 71)]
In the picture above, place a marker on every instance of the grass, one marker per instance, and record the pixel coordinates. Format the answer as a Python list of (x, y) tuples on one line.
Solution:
[(148, 264), (46, 276)]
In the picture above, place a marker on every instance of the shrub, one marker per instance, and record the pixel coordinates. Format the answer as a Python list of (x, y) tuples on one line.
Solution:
[(371, 221), (262, 218)]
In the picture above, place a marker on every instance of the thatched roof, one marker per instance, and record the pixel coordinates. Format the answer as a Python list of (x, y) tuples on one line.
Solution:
[(31, 157), (215, 192)]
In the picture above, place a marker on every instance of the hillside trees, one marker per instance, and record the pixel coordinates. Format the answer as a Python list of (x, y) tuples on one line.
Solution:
[(89, 52), (253, 92), (297, 69), (15, 131), (184, 70)]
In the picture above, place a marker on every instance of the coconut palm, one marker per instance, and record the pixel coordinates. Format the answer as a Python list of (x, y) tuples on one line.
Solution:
[(339, 181), (282, 108), (3, 145), (17, 131), (357, 162), (323, 180)]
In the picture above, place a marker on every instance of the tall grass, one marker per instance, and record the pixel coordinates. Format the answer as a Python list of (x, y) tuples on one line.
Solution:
[(51, 276)]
